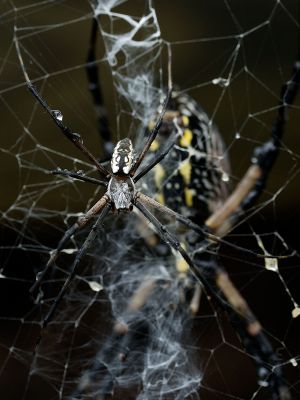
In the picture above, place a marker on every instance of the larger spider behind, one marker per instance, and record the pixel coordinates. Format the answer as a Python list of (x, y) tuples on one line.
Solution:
[(121, 195)]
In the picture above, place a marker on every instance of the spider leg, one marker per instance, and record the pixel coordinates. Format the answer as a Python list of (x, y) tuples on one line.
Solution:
[(168, 238), (91, 237), (203, 231), (152, 135), (69, 233), (166, 210), (250, 331), (225, 285), (56, 116), (78, 176), (95, 89), (264, 157)]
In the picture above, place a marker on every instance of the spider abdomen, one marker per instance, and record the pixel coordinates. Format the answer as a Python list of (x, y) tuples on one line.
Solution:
[(192, 179), (121, 192)]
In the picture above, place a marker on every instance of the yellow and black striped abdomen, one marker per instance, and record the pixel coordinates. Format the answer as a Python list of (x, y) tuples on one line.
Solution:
[(193, 178)]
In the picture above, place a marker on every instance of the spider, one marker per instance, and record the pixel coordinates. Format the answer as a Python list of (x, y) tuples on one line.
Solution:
[(196, 190), (121, 195)]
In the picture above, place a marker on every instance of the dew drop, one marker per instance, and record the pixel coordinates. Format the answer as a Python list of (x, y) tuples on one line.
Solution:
[(112, 60), (263, 383), (39, 297), (38, 275), (221, 82), (77, 137), (293, 361), (95, 286), (225, 177), (238, 135), (58, 115), (296, 312), (69, 251)]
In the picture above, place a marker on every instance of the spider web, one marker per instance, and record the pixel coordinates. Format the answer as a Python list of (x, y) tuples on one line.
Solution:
[(232, 59)]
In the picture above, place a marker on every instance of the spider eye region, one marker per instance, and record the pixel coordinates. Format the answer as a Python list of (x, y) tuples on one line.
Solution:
[(122, 158)]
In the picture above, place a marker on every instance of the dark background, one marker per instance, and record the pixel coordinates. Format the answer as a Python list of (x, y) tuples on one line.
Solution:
[(269, 53)]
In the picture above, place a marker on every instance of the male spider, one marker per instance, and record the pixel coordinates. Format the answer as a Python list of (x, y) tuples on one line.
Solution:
[(121, 195)]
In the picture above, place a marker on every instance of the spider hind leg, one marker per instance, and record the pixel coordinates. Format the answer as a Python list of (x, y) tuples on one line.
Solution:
[(90, 238)]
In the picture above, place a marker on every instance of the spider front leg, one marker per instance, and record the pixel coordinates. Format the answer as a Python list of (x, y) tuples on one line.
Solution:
[(75, 138), (77, 175), (67, 236), (56, 116)]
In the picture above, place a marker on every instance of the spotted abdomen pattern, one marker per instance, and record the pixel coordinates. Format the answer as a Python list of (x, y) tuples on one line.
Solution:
[(193, 178)]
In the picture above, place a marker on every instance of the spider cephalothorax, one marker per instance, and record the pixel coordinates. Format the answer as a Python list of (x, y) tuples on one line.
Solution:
[(121, 191)]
